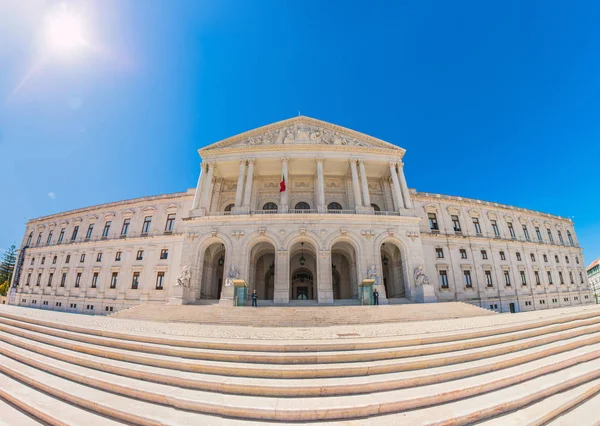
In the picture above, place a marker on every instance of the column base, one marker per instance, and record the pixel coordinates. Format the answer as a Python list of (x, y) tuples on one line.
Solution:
[(225, 301), (365, 210), (282, 297), (177, 301), (425, 294)]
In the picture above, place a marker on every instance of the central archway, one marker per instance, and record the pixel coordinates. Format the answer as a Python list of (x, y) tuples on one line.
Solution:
[(303, 269)]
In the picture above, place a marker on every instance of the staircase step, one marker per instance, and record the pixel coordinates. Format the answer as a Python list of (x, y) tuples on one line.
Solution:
[(584, 414), (11, 416)]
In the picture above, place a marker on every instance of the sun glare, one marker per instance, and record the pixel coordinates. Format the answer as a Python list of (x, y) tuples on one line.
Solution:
[(64, 31)]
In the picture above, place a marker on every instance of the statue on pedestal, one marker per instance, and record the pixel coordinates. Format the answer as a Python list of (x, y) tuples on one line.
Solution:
[(420, 277), (184, 278)]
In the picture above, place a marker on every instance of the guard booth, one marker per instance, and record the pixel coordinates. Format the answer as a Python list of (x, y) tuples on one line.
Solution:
[(366, 291), (240, 292)]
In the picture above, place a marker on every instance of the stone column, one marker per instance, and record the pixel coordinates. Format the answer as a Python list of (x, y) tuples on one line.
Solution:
[(284, 196), (249, 178), (281, 293), (396, 186), (355, 184), (207, 190), (405, 193), (324, 278), (364, 183), (320, 186), (396, 204), (240, 184), (199, 187)]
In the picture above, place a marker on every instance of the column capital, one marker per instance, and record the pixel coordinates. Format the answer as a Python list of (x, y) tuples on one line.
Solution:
[(393, 163), (251, 161), (352, 160), (361, 161), (242, 161), (285, 159), (319, 159), (211, 163)]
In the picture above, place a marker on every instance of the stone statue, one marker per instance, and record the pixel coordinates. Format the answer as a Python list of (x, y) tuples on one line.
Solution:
[(420, 277), (233, 274), (372, 274), (316, 136), (339, 140), (280, 136), (184, 278), (289, 136), (302, 134), (267, 138)]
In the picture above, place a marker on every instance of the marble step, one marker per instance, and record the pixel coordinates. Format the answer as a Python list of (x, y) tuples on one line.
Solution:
[(314, 345), (11, 416), (551, 408), (298, 387), (302, 408), (544, 334), (586, 413)]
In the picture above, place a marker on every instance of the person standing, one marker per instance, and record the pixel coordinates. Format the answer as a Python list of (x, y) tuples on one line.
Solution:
[(254, 298), (375, 297)]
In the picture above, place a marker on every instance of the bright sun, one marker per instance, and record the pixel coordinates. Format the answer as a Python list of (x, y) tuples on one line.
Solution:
[(64, 31)]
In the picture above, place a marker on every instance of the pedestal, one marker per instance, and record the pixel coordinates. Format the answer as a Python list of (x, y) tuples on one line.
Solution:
[(425, 294)]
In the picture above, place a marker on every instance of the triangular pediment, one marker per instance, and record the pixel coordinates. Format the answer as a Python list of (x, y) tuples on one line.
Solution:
[(301, 131)]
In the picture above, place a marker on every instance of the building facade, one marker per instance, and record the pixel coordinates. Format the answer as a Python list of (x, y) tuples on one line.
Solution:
[(593, 273), (303, 211)]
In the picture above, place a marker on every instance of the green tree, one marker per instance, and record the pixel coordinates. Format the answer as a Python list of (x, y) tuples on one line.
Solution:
[(4, 288), (7, 264)]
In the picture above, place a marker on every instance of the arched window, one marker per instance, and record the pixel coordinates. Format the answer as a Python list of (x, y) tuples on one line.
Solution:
[(302, 206), (375, 207), (229, 207), (29, 239), (334, 206), (270, 206)]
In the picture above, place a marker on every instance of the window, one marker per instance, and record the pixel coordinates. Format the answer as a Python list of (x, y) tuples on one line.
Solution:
[(140, 255), (556, 258), (538, 233), (581, 277), (439, 253), (78, 279), (75, 231), (50, 277), (43, 259), (456, 223), (560, 238), (443, 279), (95, 280), (532, 257), (164, 254), (99, 257), (68, 259), (502, 256), (560, 277), (506, 279), (39, 278), (29, 239), (39, 239), (82, 258), (526, 232), (484, 254), (135, 280), (273, 206), (160, 278), (577, 260), (375, 207), (106, 229), (113, 280), (49, 237), (477, 226), (537, 278), (468, 282), (61, 235), (170, 222), (146, 225), (495, 228), (433, 223), (511, 230), (488, 278), (545, 258), (229, 207), (571, 278), (567, 259), (518, 257), (117, 256), (523, 278), (54, 260), (463, 254), (570, 238), (32, 260), (63, 279), (125, 227), (550, 236), (28, 279), (88, 234), (527, 303), (550, 278)]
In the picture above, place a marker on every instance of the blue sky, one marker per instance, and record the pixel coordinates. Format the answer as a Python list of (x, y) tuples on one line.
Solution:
[(492, 100)]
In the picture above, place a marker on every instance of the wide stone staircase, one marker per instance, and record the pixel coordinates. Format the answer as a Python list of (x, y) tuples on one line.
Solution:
[(545, 371)]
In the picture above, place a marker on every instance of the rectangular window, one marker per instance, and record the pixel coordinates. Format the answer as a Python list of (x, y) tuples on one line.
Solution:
[(43, 260), (511, 230), (54, 260), (506, 278), (433, 224), (160, 278), (439, 253), (477, 226), (443, 279), (532, 257), (140, 255), (581, 277), (556, 258), (106, 229), (550, 277), (495, 228), (99, 257), (570, 238), (523, 278), (135, 280), (484, 254), (468, 282), (550, 236), (560, 277), (39, 240), (567, 259), (164, 253), (68, 259), (545, 258), (39, 278), (50, 277), (560, 238), (63, 279), (32, 260), (125, 227), (113, 280), (170, 222), (455, 223), (95, 280), (88, 235), (577, 260), (49, 237), (538, 233), (75, 231), (82, 258), (463, 254), (488, 278), (502, 256), (146, 225), (518, 257), (78, 279), (537, 278), (571, 278), (526, 232), (117, 256), (61, 235)]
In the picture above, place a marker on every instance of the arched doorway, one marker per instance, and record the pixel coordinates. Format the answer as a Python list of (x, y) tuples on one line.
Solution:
[(303, 268), (343, 270), (262, 270), (393, 270), (213, 272)]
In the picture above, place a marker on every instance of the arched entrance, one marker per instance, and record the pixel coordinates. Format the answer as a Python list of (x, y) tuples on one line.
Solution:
[(262, 270), (393, 270), (212, 272), (303, 268), (343, 270)]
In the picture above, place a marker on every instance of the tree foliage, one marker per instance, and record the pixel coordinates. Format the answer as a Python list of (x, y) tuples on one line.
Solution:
[(4, 288), (7, 264)]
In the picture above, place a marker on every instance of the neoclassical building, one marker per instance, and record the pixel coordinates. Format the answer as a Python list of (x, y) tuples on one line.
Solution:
[(303, 211)]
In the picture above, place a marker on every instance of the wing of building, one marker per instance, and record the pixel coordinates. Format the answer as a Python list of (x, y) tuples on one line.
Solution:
[(304, 212)]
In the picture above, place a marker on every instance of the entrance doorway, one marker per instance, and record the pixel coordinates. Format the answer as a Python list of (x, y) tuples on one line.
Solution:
[(262, 270), (303, 285), (511, 306), (303, 268), (343, 271), (393, 271), (212, 272)]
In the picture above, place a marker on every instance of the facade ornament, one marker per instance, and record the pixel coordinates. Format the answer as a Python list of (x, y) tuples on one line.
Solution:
[(213, 232), (232, 274), (238, 234), (368, 234), (343, 231), (391, 232), (289, 136), (372, 274), (412, 235), (184, 278), (302, 231), (262, 231), (316, 136), (420, 278), (302, 134)]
